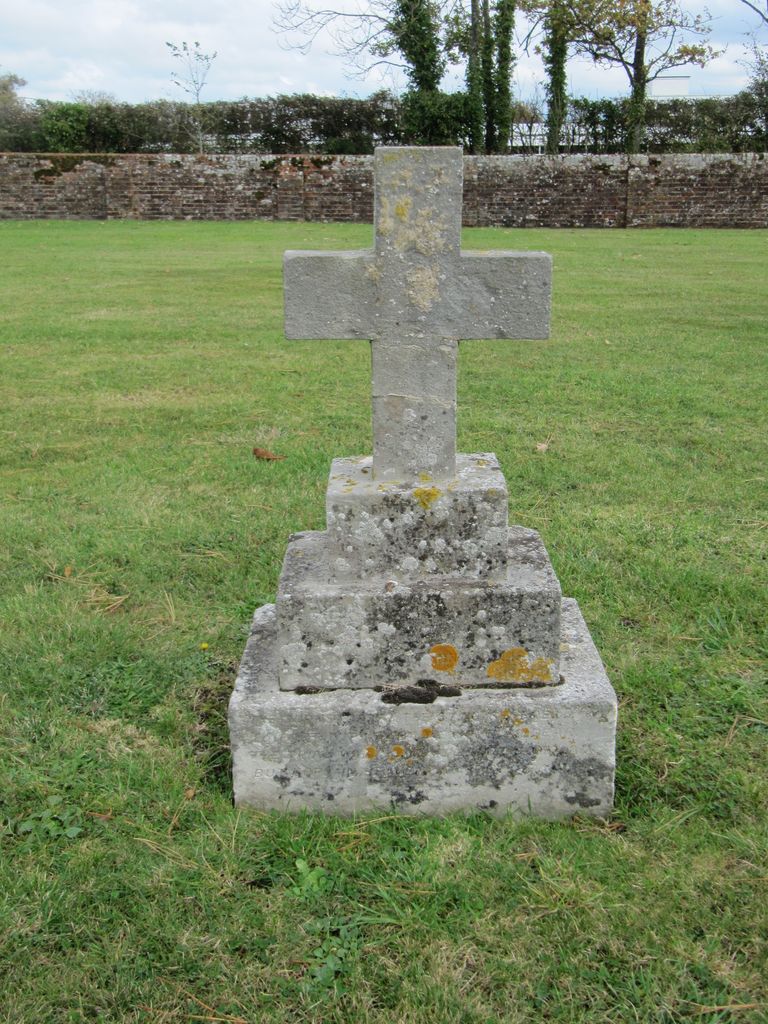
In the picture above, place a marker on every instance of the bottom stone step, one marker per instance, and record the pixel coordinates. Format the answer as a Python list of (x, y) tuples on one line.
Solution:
[(547, 752)]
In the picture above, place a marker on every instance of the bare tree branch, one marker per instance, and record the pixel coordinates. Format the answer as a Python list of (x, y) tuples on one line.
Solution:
[(763, 15)]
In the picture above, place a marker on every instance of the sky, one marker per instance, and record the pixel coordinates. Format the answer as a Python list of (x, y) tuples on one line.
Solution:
[(66, 47)]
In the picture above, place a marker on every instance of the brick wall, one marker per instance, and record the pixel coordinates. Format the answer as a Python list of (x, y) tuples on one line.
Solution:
[(721, 190)]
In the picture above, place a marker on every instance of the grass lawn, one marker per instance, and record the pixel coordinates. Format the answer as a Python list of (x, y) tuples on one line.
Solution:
[(140, 363)]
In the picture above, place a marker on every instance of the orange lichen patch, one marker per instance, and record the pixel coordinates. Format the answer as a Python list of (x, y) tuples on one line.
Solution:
[(525, 730), (398, 750), (513, 667), (426, 496), (540, 670), (445, 657), (370, 753), (505, 713), (427, 731)]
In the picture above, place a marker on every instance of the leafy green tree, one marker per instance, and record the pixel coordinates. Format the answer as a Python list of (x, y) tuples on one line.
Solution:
[(19, 120), (414, 33), (64, 127), (644, 38), (558, 29), (504, 27), (434, 118), (407, 34), (374, 33), (482, 36), (487, 52), (474, 80)]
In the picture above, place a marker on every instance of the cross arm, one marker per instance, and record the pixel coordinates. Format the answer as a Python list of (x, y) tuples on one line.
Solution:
[(328, 294), (500, 295)]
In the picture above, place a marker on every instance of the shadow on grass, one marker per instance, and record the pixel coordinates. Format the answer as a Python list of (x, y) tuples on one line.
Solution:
[(211, 742)]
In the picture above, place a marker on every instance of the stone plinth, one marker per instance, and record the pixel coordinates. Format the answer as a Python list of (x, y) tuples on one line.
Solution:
[(547, 752), (376, 630), (420, 528)]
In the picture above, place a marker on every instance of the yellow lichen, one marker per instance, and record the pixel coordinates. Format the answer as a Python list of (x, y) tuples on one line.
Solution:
[(398, 750), (426, 496), (423, 287), (505, 713), (402, 209), (541, 670), (426, 732), (513, 667), (370, 753), (384, 224), (445, 657)]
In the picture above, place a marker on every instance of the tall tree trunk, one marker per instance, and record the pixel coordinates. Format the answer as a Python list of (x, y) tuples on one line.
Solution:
[(489, 92), (555, 56), (505, 23), (475, 82), (636, 120)]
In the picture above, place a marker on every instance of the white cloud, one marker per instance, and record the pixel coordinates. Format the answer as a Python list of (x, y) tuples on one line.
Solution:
[(119, 47)]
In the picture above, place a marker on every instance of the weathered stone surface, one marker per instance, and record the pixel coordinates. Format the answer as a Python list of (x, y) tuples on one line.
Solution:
[(422, 527), (415, 295), (547, 752), (482, 295), (359, 631)]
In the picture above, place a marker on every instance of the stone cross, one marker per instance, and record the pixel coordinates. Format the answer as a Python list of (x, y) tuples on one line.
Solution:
[(414, 296)]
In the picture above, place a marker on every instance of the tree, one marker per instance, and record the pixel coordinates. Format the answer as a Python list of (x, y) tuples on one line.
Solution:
[(644, 37), (554, 21), (557, 32), (474, 80), (555, 18), (483, 37), (505, 24), (18, 122), (406, 34), (762, 14), (414, 33), (196, 67), (373, 34), (64, 126)]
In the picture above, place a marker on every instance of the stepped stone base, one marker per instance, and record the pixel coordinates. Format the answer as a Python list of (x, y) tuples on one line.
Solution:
[(547, 752), (370, 630), (422, 528)]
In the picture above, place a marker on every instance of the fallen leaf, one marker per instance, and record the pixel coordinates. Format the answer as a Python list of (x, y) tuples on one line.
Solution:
[(262, 453), (102, 817)]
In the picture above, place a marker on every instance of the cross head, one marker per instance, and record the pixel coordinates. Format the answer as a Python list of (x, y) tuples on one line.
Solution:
[(414, 296)]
